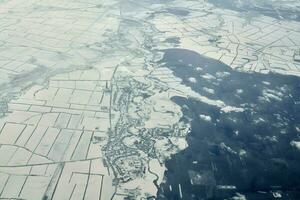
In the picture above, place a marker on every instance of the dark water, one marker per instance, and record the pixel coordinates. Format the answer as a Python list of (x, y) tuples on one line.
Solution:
[(265, 9), (249, 150), (178, 11)]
